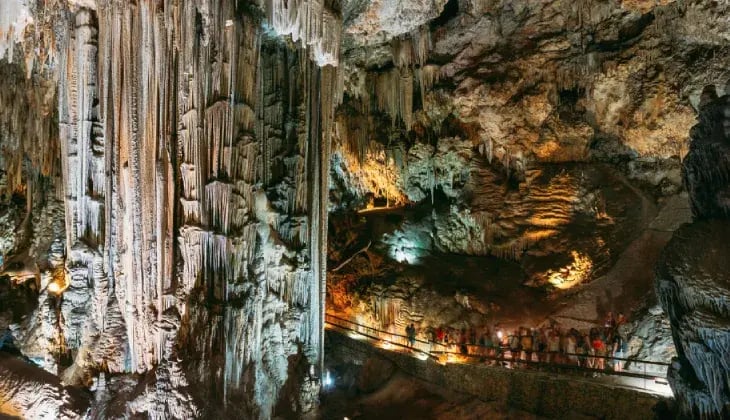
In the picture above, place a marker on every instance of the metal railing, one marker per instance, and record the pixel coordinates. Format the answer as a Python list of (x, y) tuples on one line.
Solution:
[(643, 376)]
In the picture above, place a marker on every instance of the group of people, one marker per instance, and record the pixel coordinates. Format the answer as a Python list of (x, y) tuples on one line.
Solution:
[(597, 348)]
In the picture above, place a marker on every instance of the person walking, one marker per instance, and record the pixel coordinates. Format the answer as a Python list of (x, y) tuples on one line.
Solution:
[(411, 334)]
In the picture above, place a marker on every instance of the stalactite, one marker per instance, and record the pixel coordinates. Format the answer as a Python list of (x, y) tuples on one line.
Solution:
[(394, 92), (411, 49), (312, 22), (29, 137), (387, 310), (83, 165), (427, 76), (186, 131)]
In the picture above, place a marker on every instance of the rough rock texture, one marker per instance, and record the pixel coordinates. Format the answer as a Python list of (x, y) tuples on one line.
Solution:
[(29, 392), (191, 149), (165, 167), (692, 278), (693, 285), (707, 166), (552, 81), (503, 249)]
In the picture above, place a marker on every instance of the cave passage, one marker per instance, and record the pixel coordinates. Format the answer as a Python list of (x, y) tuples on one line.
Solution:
[(274, 209)]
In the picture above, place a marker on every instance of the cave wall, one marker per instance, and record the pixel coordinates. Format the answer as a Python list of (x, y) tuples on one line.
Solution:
[(692, 275), (190, 157), (166, 164), (535, 82)]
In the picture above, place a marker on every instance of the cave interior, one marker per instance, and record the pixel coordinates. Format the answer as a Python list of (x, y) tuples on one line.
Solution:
[(274, 208)]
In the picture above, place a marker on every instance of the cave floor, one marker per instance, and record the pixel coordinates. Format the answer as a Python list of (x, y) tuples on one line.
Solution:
[(405, 397)]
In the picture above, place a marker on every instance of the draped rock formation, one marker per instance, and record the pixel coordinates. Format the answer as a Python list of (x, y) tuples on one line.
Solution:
[(193, 153), (693, 279), (168, 169)]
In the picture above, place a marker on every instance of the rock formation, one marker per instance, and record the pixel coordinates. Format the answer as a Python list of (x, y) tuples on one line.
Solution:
[(693, 279), (187, 147), (168, 169)]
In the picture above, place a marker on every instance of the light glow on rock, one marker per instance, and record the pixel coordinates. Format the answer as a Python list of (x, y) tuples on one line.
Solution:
[(54, 288), (573, 274)]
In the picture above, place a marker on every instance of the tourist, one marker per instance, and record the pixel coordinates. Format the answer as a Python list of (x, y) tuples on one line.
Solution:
[(540, 342), (463, 349), (488, 343), (610, 321), (514, 345), (553, 346), (617, 348), (440, 335), (599, 350), (411, 333), (498, 341), (526, 343), (571, 349), (582, 349)]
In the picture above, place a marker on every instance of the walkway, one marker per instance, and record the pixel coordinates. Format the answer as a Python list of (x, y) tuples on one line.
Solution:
[(630, 281), (644, 376)]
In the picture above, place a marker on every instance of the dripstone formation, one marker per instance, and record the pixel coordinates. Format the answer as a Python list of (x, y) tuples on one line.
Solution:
[(172, 173), (693, 276), (177, 236)]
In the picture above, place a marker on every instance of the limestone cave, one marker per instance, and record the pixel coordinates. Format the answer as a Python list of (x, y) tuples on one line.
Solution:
[(364, 209)]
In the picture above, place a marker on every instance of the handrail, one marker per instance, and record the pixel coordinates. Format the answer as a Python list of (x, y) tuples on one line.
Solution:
[(651, 362), (380, 331), (378, 338), (373, 333)]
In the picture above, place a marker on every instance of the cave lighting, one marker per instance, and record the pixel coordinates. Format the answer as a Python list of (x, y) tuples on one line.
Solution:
[(573, 274), (355, 335), (404, 253), (54, 288), (328, 381), (386, 345), (422, 356), (58, 283)]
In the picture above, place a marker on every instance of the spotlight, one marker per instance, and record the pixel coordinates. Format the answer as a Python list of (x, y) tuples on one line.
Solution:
[(54, 288), (327, 380)]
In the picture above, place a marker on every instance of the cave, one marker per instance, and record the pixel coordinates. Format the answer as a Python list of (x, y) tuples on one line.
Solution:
[(407, 209)]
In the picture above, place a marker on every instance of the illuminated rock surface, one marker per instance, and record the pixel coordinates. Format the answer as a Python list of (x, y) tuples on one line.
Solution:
[(168, 170), (188, 153)]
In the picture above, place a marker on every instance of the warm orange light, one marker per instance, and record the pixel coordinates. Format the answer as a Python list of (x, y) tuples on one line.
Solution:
[(572, 274), (59, 283), (54, 288)]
